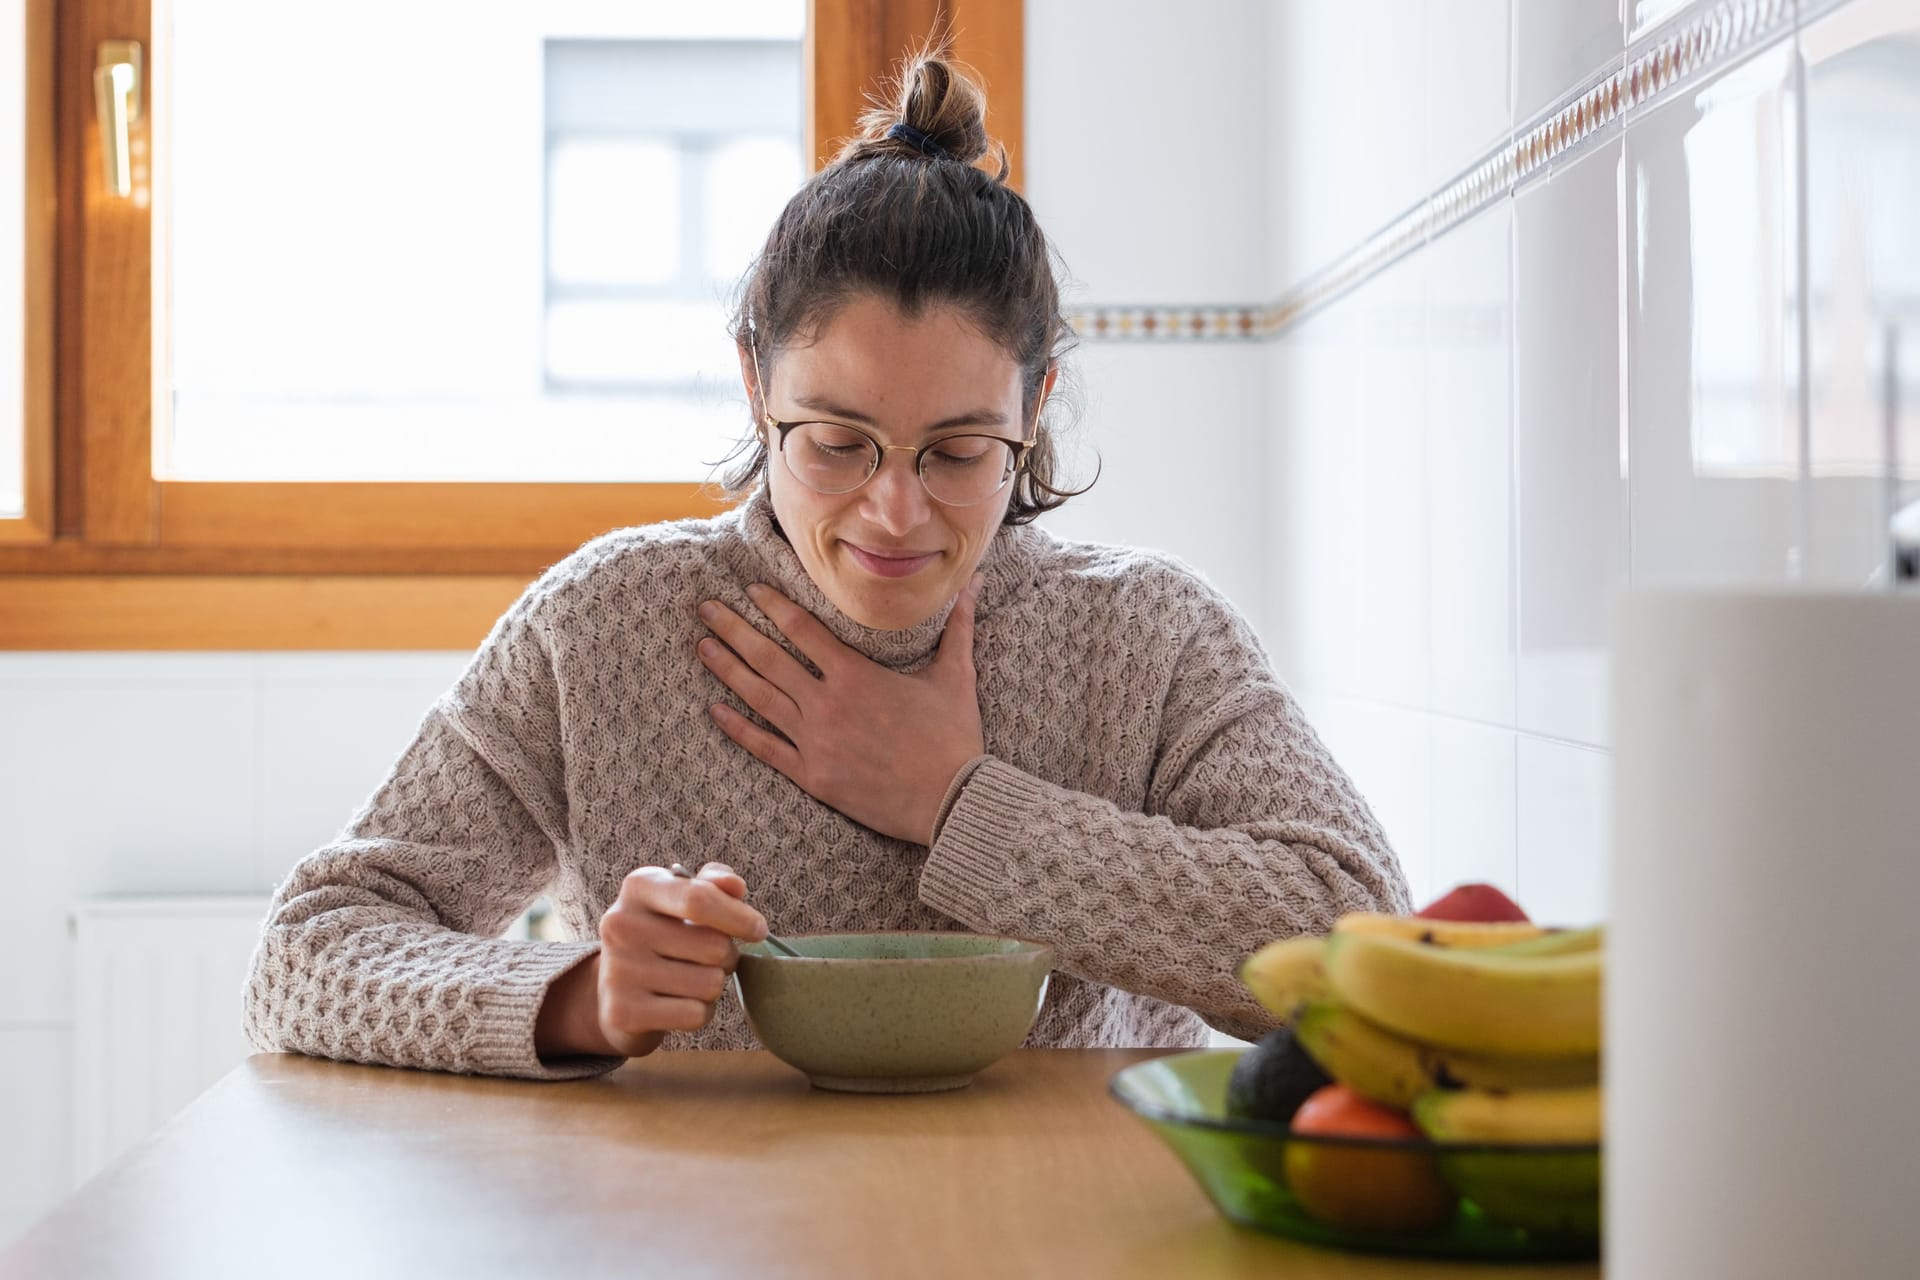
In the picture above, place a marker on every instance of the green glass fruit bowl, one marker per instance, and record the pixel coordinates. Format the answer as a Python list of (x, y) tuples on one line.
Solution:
[(1491, 1201)]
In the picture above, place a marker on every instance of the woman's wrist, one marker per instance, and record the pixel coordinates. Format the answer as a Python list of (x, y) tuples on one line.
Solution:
[(568, 1024), (952, 796)]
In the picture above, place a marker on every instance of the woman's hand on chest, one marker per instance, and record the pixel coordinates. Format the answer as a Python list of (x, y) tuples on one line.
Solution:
[(879, 746)]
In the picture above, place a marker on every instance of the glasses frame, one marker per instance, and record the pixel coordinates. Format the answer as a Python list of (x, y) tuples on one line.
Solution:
[(781, 428)]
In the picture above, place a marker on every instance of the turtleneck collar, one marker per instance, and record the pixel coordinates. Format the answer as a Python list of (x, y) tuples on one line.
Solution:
[(1008, 566)]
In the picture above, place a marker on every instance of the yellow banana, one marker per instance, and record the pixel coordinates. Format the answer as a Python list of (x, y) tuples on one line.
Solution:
[(1554, 1192), (1439, 933), (1523, 1006), (1394, 1070), (1283, 974), (1521, 1115), (1556, 942)]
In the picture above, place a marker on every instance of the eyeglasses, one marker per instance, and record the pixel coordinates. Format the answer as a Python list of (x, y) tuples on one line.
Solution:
[(957, 470)]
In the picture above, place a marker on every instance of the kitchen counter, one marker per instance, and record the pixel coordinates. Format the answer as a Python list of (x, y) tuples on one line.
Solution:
[(679, 1164)]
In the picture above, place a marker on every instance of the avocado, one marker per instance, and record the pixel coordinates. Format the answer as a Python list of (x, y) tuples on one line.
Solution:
[(1272, 1079)]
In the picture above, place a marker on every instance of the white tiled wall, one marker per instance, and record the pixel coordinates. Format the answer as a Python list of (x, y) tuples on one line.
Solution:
[(1608, 389), (1149, 205), (1570, 493), (126, 774)]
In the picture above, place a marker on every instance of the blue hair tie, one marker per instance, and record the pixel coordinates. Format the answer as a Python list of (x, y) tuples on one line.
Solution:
[(919, 141)]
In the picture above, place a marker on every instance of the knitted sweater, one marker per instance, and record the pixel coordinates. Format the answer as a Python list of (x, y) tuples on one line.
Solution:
[(1152, 803)]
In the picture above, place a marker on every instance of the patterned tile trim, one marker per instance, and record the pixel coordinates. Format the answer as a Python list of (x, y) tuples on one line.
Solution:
[(1169, 324), (1698, 42)]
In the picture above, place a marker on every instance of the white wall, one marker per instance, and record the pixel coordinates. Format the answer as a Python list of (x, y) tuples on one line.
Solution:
[(1152, 203), (162, 773), (1592, 385)]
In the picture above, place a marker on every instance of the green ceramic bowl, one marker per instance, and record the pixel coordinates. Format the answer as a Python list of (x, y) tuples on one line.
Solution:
[(893, 1012), (1514, 1201)]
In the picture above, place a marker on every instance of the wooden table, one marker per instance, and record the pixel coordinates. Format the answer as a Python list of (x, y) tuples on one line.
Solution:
[(681, 1164)]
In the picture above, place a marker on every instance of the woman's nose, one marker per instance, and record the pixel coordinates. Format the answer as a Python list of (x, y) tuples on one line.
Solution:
[(894, 498)]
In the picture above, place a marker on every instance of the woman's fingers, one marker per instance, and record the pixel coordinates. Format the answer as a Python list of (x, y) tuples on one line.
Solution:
[(754, 689), (725, 877), (764, 655), (626, 1016), (667, 948), (809, 635), (767, 748), (700, 901), (661, 976)]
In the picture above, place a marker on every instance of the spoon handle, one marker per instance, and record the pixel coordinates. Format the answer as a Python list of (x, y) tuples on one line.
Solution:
[(772, 941)]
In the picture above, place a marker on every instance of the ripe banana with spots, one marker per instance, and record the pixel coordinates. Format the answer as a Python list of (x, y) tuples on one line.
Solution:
[(1393, 1070), (1570, 1115), (1556, 942), (1439, 933), (1472, 999), (1284, 974)]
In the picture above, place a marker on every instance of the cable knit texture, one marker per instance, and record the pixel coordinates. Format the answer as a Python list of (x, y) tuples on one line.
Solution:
[(1152, 803)]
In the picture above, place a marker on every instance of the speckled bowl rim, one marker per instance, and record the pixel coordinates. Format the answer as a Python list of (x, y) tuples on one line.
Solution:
[(1002, 957)]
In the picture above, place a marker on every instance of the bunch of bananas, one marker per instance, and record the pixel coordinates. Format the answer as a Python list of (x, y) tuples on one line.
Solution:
[(1486, 1033)]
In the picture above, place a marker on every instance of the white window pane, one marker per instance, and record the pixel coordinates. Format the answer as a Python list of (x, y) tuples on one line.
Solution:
[(613, 212), (622, 341), (749, 183), (13, 253), (375, 268)]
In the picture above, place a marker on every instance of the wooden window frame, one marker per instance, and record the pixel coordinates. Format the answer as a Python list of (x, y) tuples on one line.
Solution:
[(108, 557)]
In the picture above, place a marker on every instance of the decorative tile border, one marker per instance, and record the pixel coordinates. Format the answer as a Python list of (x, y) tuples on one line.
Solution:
[(1698, 42), (1169, 324)]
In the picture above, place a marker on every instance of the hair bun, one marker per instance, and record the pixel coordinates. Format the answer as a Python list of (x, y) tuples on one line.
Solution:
[(943, 111)]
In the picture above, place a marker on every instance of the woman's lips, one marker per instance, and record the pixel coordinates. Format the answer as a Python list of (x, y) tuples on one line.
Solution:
[(890, 566)]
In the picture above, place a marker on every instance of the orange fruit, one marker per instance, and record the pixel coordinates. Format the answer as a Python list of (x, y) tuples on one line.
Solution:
[(1359, 1188)]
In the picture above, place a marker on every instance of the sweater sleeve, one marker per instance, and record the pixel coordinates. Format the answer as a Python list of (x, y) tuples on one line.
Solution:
[(1251, 832), (383, 946)]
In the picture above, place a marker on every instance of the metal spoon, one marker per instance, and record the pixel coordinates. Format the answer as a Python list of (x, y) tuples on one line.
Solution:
[(772, 941)]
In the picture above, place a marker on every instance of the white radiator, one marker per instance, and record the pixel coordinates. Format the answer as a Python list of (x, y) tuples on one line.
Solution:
[(156, 1012)]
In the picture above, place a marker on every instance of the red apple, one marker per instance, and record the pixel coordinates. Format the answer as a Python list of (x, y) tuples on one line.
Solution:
[(1480, 902)]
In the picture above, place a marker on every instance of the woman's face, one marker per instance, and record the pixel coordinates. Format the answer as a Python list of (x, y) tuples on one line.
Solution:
[(887, 554)]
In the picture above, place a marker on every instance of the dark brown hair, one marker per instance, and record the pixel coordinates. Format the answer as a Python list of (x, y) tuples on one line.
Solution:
[(915, 226)]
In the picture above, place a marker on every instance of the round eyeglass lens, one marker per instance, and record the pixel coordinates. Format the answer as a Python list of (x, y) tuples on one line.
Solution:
[(963, 470), (828, 458)]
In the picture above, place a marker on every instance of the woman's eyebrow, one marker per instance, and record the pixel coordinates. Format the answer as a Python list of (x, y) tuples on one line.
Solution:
[(975, 418)]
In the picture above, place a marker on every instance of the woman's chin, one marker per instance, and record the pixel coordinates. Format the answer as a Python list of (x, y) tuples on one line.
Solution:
[(887, 608)]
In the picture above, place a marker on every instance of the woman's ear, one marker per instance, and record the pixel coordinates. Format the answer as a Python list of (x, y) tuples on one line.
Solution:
[(1046, 389), (750, 381)]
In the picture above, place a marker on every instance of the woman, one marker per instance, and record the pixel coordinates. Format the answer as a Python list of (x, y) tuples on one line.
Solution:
[(873, 696)]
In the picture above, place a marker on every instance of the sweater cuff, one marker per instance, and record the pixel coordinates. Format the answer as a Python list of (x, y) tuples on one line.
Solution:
[(509, 1005), (967, 870), (954, 789)]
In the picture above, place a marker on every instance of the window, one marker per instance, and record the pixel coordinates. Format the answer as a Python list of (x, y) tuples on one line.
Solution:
[(527, 288), (13, 260), (26, 278), (401, 305)]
